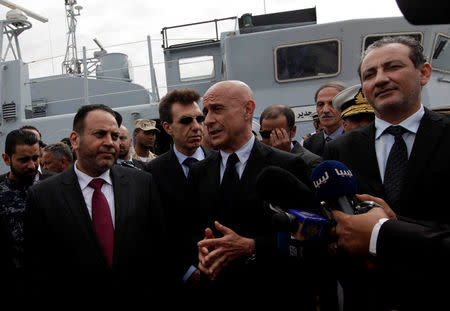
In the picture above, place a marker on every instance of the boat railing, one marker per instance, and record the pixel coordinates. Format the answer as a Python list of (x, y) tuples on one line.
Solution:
[(187, 28)]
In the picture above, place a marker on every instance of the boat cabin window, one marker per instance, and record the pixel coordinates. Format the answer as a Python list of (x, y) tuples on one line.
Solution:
[(309, 60), (369, 39), (440, 60), (196, 68)]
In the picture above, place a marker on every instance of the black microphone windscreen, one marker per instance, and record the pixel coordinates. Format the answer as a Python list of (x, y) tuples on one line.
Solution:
[(282, 188)]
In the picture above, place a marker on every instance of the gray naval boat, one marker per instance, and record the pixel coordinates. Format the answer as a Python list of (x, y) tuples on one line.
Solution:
[(284, 57)]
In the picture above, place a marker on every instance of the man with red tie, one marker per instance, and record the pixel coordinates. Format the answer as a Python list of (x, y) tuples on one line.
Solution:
[(92, 232)]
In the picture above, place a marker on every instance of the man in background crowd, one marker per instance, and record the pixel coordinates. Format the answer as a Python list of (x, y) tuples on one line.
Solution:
[(56, 157), (278, 129), (329, 118), (125, 144), (354, 109), (22, 156), (145, 137)]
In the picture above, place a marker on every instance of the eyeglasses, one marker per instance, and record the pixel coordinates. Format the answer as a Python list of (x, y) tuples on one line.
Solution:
[(266, 134), (188, 120)]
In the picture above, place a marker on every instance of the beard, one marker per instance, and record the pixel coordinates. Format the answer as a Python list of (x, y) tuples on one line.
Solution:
[(24, 178), (91, 162), (123, 153)]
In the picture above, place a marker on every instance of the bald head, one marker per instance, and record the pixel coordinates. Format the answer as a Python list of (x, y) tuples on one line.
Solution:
[(234, 88), (125, 142), (229, 108)]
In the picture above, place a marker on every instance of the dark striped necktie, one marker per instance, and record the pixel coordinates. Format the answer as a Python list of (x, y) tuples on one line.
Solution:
[(395, 167)]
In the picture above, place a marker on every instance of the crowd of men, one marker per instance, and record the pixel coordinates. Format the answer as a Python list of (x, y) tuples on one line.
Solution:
[(96, 218)]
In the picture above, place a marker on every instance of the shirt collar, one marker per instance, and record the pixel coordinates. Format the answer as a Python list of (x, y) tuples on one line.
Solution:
[(198, 154), (243, 153), (84, 179), (335, 134), (412, 123)]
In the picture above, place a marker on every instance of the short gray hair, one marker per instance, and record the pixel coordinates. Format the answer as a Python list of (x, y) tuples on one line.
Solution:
[(60, 150)]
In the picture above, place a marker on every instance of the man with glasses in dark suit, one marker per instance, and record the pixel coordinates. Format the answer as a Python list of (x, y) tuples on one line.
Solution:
[(182, 119)]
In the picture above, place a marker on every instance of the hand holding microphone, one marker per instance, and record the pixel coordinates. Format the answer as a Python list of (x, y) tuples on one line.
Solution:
[(354, 232), (336, 187)]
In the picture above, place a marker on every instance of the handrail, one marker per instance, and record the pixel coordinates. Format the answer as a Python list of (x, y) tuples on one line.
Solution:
[(165, 40)]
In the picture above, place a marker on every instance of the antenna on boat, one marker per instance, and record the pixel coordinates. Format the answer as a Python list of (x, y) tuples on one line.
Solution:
[(14, 24), (27, 12), (71, 63)]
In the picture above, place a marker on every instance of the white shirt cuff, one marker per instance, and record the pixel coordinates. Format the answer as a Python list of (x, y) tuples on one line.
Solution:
[(374, 236)]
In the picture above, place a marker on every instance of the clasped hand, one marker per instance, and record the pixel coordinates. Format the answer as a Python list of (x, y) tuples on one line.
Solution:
[(215, 254)]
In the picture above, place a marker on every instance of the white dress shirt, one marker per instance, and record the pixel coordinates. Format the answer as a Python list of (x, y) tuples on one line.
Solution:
[(107, 189), (243, 154), (385, 141)]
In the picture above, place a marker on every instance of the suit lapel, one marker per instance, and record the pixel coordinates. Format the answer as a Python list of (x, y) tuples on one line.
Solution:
[(121, 188), (77, 206), (368, 158), (175, 170), (255, 160), (428, 137)]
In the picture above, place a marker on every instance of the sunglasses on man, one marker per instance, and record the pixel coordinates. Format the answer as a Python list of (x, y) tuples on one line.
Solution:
[(266, 134), (188, 120)]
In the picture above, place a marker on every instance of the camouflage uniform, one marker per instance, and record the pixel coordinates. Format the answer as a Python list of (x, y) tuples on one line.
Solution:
[(12, 209)]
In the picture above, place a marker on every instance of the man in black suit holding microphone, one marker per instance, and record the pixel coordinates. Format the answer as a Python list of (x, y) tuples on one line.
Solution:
[(402, 157)]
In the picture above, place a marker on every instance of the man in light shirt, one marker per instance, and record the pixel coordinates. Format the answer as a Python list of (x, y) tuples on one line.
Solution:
[(393, 73)]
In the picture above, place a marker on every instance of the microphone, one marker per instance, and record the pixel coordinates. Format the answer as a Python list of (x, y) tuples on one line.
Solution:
[(282, 192), (282, 188), (335, 185)]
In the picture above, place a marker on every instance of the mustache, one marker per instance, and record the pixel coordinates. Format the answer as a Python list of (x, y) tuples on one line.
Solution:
[(327, 115), (384, 88), (107, 150)]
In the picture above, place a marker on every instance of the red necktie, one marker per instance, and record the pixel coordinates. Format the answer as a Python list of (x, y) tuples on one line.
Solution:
[(101, 217)]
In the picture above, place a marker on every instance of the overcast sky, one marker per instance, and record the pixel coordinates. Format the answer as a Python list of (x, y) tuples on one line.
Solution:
[(123, 26)]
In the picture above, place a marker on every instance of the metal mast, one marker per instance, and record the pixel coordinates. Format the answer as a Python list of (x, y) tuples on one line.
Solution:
[(71, 64)]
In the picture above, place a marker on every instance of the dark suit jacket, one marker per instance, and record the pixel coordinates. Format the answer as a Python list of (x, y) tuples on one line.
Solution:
[(419, 256), (311, 159), (12, 283), (427, 172), (63, 256), (426, 181), (270, 275), (315, 143), (172, 186)]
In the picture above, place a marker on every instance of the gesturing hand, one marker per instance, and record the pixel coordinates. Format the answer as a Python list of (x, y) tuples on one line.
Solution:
[(217, 253)]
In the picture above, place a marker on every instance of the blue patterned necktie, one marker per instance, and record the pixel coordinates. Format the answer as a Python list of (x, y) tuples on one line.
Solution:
[(395, 167)]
